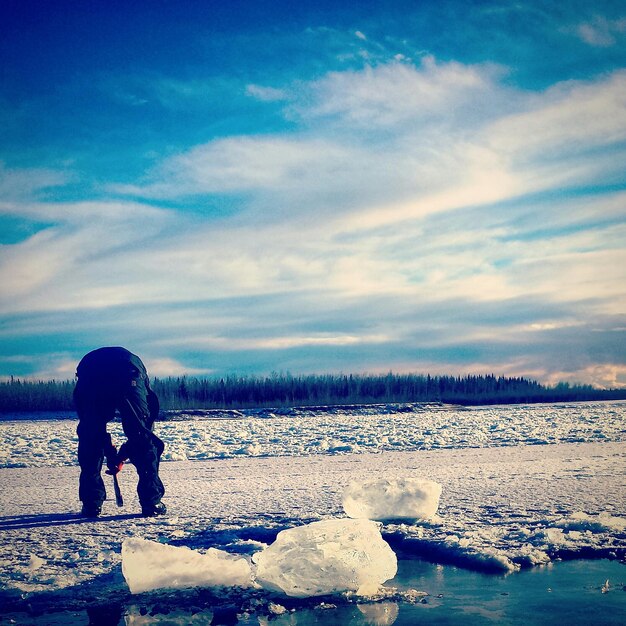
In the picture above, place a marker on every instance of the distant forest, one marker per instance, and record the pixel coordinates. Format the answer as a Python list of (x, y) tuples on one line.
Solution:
[(285, 390)]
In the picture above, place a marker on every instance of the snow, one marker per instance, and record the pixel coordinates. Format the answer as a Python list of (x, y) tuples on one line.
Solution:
[(202, 435), (148, 565), (406, 498), (601, 523), (327, 557), (35, 562), (504, 504)]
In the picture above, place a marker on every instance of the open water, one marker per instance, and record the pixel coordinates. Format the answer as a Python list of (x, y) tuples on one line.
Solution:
[(566, 592)]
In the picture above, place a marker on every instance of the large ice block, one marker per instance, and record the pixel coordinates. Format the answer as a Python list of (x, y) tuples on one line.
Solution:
[(327, 557), (397, 498), (148, 565)]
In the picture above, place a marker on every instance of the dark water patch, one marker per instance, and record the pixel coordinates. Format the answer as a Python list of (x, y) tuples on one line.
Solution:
[(573, 592)]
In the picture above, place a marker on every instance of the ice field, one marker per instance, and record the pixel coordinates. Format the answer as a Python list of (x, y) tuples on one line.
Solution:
[(508, 501), (199, 435)]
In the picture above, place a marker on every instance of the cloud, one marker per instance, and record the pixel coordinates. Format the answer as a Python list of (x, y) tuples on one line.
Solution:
[(394, 93), (84, 259), (602, 32), (573, 117), (163, 366), (284, 342), (265, 94), (59, 367), (398, 142), (567, 137), (242, 165), (25, 184), (604, 376)]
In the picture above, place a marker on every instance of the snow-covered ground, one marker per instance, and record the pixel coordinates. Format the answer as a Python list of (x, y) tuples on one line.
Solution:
[(504, 504)]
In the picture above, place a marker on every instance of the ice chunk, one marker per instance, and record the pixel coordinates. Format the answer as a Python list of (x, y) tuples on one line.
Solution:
[(527, 555), (148, 565), (327, 557), (386, 499), (276, 609), (35, 562)]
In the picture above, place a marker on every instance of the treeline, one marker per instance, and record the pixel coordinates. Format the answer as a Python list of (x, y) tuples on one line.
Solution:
[(43, 395), (282, 390)]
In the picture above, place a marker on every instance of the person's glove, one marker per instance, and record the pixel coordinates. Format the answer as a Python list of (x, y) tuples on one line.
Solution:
[(114, 464)]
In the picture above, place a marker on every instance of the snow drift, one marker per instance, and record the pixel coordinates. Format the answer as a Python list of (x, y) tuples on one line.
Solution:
[(148, 565), (392, 499)]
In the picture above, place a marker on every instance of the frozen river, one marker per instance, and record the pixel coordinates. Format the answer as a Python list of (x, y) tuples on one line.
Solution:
[(523, 488), (201, 435)]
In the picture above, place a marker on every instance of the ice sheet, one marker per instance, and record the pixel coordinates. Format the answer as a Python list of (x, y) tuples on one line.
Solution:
[(498, 509)]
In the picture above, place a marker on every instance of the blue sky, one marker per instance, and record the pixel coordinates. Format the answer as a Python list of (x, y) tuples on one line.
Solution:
[(248, 187)]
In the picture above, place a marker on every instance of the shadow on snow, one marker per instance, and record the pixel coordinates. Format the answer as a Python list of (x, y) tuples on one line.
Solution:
[(44, 520)]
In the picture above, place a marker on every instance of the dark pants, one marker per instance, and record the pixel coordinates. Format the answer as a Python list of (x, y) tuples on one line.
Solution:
[(96, 401)]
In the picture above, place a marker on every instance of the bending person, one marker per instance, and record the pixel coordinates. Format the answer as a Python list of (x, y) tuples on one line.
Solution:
[(111, 379)]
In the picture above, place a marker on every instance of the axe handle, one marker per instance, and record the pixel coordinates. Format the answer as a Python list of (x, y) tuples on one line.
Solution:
[(118, 493)]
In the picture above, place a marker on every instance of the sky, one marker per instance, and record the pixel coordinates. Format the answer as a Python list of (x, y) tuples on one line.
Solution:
[(241, 188)]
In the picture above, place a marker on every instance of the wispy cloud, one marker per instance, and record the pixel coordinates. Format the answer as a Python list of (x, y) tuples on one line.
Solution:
[(284, 342), (25, 184), (243, 164), (363, 193), (170, 367), (81, 259), (398, 142), (601, 31), (604, 376), (265, 94), (573, 118), (398, 93)]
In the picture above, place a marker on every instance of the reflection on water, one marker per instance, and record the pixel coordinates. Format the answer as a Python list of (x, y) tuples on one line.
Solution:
[(379, 614), (134, 617), (383, 614)]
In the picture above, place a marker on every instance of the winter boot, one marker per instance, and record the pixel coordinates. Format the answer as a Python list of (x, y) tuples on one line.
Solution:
[(152, 510), (91, 510)]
